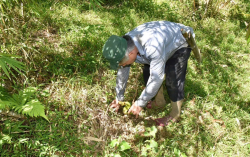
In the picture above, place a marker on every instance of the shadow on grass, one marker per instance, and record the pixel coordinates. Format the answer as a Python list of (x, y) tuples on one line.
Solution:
[(86, 58), (39, 138), (87, 52)]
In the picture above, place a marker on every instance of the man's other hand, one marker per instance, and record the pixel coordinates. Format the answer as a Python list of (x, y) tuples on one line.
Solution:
[(135, 110), (115, 105)]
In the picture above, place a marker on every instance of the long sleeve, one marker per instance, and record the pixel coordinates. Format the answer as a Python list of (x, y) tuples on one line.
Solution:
[(157, 67), (156, 42), (121, 82)]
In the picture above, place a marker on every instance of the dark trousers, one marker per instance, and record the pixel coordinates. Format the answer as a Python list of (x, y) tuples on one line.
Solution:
[(175, 71)]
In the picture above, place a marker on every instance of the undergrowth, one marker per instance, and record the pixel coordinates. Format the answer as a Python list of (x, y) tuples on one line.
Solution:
[(60, 43)]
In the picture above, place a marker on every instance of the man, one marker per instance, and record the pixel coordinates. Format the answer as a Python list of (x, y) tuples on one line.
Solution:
[(161, 47)]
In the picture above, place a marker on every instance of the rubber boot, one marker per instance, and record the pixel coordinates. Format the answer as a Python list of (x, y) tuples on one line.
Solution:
[(173, 116), (159, 101), (176, 109)]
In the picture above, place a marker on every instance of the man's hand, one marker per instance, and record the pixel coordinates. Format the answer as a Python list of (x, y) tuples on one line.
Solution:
[(135, 110), (115, 105)]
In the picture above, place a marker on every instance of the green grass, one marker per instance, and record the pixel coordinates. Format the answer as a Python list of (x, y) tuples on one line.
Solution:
[(61, 44)]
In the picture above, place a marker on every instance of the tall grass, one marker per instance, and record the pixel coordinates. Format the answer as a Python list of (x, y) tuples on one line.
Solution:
[(60, 43)]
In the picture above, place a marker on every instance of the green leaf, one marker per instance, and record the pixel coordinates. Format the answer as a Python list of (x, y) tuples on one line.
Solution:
[(5, 104), (86, 28), (183, 155), (24, 103), (2, 105), (115, 155), (27, 93), (4, 95), (144, 151), (114, 143), (3, 65), (10, 55), (153, 144), (45, 93), (5, 139), (151, 131), (34, 108), (177, 152), (14, 63), (6, 62), (124, 146)]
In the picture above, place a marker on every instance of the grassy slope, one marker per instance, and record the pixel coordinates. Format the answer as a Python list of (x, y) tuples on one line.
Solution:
[(66, 41)]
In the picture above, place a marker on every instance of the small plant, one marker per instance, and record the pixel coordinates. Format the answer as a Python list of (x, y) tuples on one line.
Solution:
[(4, 139), (126, 106), (120, 147), (151, 132), (150, 147), (23, 103)]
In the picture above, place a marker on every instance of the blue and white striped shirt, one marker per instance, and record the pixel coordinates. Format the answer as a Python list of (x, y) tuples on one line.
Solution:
[(156, 42)]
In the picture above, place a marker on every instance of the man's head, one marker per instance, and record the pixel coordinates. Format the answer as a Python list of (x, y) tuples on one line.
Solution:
[(119, 51)]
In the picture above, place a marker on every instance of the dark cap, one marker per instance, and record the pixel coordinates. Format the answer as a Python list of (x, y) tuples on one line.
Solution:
[(114, 50)]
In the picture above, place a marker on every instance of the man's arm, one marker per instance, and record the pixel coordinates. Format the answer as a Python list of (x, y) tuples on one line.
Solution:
[(155, 80), (121, 82), (157, 71)]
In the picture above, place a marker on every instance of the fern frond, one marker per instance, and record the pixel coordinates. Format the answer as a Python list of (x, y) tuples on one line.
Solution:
[(3, 105), (6, 104), (34, 108), (23, 97), (24, 103), (17, 99), (4, 99), (4, 95), (28, 92)]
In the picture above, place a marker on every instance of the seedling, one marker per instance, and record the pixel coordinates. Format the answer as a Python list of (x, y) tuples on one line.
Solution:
[(126, 106)]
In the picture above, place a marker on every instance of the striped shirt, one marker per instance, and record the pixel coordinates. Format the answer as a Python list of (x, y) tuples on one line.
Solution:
[(156, 42)]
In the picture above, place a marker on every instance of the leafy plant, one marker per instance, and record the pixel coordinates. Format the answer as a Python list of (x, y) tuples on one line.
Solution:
[(121, 146), (149, 147), (23, 103), (151, 131), (7, 62), (4, 139)]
